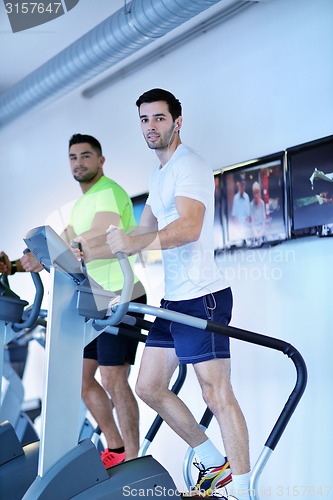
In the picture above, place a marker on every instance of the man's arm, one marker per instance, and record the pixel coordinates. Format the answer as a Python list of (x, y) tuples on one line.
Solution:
[(68, 234), (9, 267), (93, 241), (147, 223), (30, 264), (185, 229)]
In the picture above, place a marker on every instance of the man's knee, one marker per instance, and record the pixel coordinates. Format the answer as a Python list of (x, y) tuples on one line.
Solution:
[(139, 390), (114, 379), (88, 384), (217, 398), (84, 393), (143, 393)]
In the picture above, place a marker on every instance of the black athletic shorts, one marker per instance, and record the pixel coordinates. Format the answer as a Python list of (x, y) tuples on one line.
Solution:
[(116, 350)]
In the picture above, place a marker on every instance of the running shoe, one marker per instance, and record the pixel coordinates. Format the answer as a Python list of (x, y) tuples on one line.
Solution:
[(110, 459), (211, 479)]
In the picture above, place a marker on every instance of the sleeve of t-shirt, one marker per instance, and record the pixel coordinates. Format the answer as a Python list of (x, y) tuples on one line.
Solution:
[(193, 179)]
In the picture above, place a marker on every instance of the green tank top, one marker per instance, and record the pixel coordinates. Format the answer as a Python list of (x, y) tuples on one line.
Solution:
[(104, 196)]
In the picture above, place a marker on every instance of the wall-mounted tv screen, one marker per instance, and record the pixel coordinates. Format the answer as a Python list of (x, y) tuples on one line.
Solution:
[(218, 230), (310, 173), (254, 202), (139, 202)]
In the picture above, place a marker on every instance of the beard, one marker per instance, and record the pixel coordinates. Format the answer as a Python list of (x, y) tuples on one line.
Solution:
[(84, 177), (164, 141)]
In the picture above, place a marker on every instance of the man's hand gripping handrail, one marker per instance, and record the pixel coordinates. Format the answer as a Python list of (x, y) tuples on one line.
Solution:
[(119, 305)]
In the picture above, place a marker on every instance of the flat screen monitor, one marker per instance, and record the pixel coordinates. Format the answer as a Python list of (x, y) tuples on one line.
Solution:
[(254, 202), (139, 202), (310, 174)]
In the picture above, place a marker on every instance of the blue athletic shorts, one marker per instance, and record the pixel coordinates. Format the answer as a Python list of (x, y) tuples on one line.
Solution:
[(194, 345), (115, 350)]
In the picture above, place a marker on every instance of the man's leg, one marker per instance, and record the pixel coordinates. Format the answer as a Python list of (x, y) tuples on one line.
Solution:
[(214, 379), (99, 404), (154, 391), (115, 382), (157, 367)]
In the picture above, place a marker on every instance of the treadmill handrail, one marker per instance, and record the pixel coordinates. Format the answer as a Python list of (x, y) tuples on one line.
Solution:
[(35, 309), (120, 309), (253, 338), (279, 345), (31, 314)]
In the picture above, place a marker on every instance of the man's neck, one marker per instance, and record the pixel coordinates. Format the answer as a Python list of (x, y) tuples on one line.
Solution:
[(85, 186), (165, 154)]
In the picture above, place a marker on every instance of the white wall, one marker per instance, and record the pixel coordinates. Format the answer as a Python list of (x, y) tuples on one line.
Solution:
[(281, 292), (259, 83)]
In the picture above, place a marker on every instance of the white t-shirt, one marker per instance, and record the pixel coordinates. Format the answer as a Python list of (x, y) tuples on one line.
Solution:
[(190, 270)]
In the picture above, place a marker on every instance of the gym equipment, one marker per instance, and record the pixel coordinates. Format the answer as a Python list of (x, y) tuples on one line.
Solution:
[(65, 468), (38, 333), (253, 338), (78, 304), (18, 464), (19, 325), (19, 413)]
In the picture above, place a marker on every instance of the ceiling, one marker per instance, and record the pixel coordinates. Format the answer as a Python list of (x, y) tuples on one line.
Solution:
[(23, 52)]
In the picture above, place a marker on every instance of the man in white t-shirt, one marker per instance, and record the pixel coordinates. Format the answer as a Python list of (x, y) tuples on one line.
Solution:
[(178, 218)]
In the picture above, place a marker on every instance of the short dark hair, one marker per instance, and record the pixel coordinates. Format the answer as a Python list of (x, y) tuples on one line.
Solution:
[(241, 178), (153, 95), (80, 138)]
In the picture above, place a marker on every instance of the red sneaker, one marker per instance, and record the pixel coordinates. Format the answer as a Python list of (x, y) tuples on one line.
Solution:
[(110, 459)]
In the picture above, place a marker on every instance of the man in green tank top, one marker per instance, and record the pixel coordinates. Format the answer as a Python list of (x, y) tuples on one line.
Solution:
[(102, 204)]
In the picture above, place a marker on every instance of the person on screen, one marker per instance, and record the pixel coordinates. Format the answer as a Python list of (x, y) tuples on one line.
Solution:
[(257, 212), (240, 213)]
